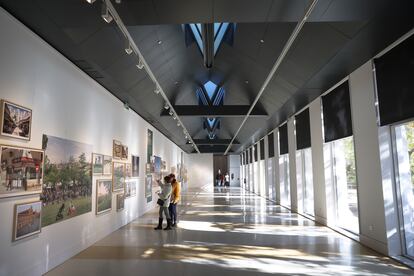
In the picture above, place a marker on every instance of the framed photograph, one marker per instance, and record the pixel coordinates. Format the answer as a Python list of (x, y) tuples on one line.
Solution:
[(107, 165), (131, 187), (97, 163), (124, 152), (120, 202), (67, 184), (27, 219), (157, 164), (117, 149), (128, 170), (16, 120), (118, 176), (135, 165), (21, 171), (103, 196), (148, 185)]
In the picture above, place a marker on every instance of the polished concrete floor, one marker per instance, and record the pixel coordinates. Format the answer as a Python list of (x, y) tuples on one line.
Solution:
[(228, 233)]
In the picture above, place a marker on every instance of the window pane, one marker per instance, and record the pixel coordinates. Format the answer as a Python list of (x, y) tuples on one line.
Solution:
[(284, 180), (404, 135)]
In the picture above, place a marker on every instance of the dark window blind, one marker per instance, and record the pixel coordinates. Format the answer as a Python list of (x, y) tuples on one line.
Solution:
[(337, 120), (283, 139), (303, 136), (271, 144), (395, 83), (262, 150), (255, 153)]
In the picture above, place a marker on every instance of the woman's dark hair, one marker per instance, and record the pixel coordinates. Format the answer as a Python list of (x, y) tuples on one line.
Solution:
[(167, 178)]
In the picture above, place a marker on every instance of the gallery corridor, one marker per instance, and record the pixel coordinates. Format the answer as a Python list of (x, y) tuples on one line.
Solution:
[(228, 232)]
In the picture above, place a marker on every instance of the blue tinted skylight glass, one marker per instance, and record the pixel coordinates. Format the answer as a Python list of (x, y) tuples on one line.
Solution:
[(219, 37), (197, 36), (211, 122), (216, 28), (210, 88)]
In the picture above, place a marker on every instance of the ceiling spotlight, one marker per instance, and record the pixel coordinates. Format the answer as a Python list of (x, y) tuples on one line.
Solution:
[(126, 105), (90, 1), (261, 40), (175, 117), (178, 124), (171, 112), (166, 106), (186, 137), (159, 42), (128, 48), (140, 65), (246, 81), (118, 1), (106, 15), (157, 90)]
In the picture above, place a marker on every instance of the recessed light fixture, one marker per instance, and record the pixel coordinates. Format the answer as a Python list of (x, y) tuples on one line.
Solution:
[(176, 83), (106, 15), (159, 42), (140, 64), (246, 82), (261, 40)]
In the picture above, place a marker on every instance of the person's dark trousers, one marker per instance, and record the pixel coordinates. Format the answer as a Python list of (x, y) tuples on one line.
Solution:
[(173, 213)]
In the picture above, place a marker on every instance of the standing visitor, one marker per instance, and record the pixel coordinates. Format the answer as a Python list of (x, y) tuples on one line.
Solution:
[(218, 178), (175, 198), (227, 180), (164, 202)]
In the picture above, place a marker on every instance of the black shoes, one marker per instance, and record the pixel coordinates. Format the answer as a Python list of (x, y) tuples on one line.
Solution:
[(159, 227), (168, 225)]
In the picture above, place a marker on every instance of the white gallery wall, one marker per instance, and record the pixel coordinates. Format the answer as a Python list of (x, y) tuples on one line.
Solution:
[(66, 103), (200, 169)]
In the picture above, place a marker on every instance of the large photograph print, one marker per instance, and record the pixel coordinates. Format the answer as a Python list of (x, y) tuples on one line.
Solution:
[(16, 120), (21, 171), (67, 190), (27, 217), (103, 196)]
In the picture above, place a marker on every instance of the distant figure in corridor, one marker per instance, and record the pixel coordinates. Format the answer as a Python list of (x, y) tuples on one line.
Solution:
[(227, 180), (218, 178), (175, 198), (164, 202)]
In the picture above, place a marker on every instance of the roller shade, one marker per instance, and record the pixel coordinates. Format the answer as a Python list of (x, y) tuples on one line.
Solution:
[(395, 83), (303, 137), (250, 155), (255, 153), (337, 120), (283, 139), (262, 150), (271, 144)]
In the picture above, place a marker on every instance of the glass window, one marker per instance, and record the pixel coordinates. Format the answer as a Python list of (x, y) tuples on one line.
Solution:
[(345, 188), (284, 180), (305, 179), (404, 143)]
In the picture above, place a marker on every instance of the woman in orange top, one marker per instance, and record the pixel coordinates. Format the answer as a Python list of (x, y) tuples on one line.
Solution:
[(175, 198)]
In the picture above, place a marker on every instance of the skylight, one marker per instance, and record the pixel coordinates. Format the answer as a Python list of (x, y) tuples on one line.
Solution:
[(219, 32), (210, 88), (211, 121)]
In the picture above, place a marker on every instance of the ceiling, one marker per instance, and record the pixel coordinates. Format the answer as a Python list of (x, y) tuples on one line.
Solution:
[(338, 38)]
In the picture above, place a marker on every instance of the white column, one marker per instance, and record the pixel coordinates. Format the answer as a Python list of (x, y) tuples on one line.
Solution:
[(266, 165), (318, 170), (292, 165), (370, 194), (276, 176)]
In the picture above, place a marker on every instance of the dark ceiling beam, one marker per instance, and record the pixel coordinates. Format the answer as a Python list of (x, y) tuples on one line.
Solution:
[(216, 111), (207, 30), (214, 141)]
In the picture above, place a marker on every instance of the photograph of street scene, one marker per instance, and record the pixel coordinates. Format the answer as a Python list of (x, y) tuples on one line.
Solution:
[(17, 121), (27, 219), (21, 171), (67, 184)]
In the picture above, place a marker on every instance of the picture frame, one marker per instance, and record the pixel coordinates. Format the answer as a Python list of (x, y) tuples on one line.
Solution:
[(103, 196), (97, 163), (117, 150), (118, 176), (148, 185), (135, 165), (128, 170), (16, 120), (27, 220), (131, 188), (120, 202), (124, 155), (107, 165), (21, 171)]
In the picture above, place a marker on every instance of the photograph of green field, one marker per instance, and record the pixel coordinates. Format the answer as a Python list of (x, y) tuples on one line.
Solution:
[(67, 184), (103, 196), (118, 176)]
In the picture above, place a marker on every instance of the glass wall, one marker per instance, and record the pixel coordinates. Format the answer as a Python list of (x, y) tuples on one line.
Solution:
[(305, 180), (344, 181), (404, 148), (284, 180)]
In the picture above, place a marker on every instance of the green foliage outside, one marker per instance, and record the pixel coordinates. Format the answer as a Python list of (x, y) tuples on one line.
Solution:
[(409, 128), (350, 161)]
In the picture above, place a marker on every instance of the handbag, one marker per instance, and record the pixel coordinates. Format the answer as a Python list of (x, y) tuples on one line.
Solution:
[(160, 202)]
